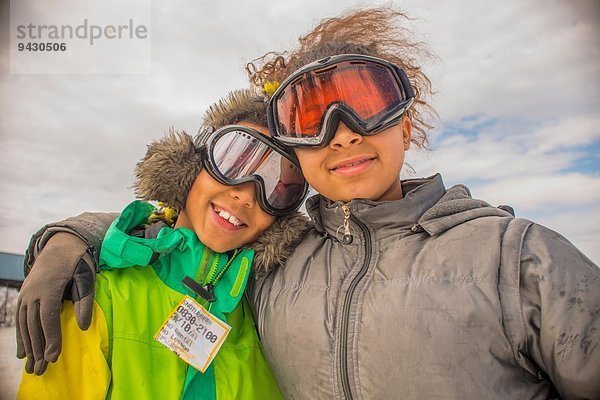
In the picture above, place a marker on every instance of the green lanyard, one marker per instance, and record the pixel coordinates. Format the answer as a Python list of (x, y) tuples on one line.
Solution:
[(213, 275)]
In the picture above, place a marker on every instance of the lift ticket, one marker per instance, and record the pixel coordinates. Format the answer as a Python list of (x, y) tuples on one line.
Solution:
[(193, 333)]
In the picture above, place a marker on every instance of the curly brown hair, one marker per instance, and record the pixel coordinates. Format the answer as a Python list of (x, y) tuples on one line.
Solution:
[(375, 32)]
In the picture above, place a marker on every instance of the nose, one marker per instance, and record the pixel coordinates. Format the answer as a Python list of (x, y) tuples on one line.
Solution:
[(345, 137), (244, 193)]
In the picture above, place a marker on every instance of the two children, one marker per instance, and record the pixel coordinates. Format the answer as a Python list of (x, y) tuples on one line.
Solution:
[(406, 289), (227, 190)]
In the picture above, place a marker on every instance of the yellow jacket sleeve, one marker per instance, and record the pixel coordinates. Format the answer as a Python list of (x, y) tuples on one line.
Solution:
[(82, 369)]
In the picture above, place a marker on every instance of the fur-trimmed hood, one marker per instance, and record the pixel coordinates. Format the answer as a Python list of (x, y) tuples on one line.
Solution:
[(172, 163), (168, 170)]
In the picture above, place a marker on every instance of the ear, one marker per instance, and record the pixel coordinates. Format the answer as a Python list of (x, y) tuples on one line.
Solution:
[(168, 170), (406, 131)]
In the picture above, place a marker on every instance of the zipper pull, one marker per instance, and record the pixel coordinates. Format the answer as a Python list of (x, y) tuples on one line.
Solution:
[(417, 228), (347, 238)]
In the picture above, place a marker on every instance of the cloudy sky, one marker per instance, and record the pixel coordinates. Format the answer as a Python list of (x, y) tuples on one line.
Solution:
[(517, 90)]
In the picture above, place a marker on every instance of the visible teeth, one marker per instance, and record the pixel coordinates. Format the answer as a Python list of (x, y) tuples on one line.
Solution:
[(352, 164), (231, 218)]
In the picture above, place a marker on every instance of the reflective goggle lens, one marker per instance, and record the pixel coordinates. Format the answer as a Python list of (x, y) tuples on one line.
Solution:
[(371, 90), (239, 156)]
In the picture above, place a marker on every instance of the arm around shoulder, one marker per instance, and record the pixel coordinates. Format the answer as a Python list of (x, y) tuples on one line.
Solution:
[(59, 262), (89, 227), (560, 302)]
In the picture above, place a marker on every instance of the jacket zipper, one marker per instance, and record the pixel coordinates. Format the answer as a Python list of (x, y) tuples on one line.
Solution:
[(347, 300)]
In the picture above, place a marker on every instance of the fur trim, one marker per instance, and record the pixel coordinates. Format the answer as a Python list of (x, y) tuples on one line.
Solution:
[(168, 170), (237, 106), (274, 246), (171, 164)]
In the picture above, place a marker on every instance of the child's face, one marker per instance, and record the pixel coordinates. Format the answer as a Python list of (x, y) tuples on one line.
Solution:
[(353, 166), (224, 217)]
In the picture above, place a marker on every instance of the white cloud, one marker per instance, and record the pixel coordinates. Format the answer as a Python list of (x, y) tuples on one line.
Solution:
[(578, 224), (533, 192), (535, 57), (566, 133), (487, 148)]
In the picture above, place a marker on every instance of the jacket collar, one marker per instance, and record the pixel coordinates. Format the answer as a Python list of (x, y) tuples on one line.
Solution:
[(382, 216), (426, 206)]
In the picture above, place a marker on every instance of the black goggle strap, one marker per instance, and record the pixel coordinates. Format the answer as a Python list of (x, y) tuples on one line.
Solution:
[(204, 133), (405, 82)]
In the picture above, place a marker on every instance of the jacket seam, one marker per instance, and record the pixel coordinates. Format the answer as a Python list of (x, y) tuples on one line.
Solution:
[(435, 279), (281, 288), (516, 335), (521, 317)]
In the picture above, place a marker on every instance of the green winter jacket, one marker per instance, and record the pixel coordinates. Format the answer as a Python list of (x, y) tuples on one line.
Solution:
[(118, 357)]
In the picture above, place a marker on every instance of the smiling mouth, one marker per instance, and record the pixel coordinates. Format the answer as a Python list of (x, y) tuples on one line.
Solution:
[(353, 165), (226, 216)]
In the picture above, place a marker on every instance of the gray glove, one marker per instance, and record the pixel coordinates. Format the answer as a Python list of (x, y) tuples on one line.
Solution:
[(64, 269)]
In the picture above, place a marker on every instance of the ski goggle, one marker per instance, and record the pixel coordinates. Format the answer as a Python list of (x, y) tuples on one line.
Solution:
[(368, 94), (238, 154)]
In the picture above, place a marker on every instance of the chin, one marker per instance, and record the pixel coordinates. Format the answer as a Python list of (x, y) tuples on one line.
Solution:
[(348, 197), (220, 247)]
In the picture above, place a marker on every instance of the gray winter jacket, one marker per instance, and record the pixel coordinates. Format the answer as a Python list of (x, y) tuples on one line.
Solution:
[(439, 296)]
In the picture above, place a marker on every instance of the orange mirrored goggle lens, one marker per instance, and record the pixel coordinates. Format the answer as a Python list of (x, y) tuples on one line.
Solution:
[(369, 89)]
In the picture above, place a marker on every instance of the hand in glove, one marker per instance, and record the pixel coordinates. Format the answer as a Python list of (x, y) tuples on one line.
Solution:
[(64, 269)]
